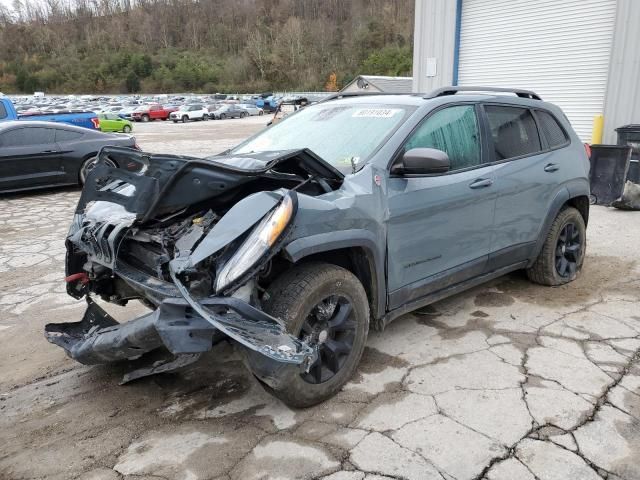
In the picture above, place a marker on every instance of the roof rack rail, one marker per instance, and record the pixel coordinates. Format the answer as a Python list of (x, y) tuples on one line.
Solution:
[(443, 91), (338, 95)]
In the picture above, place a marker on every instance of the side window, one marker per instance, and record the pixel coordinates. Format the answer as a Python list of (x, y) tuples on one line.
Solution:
[(21, 137), (3, 111), (551, 129), (41, 136), (513, 130), (67, 135), (453, 130)]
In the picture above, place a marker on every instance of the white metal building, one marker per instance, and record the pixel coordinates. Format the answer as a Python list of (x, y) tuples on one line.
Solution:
[(583, 55)]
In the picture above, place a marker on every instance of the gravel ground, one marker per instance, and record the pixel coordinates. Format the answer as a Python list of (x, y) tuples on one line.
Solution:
[(507, 381)]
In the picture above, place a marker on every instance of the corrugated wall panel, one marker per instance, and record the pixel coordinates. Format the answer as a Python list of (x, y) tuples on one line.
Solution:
[(434, 36), (557, 48), (622, 100)]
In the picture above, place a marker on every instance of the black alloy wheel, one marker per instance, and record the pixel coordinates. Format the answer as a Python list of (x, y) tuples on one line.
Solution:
[(329, 327), (568, 251)]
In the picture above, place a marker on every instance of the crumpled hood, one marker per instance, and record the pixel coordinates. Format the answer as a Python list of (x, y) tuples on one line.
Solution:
[(148, 185)]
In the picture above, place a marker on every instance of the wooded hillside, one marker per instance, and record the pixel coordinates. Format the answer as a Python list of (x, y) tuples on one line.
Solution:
[(200, 45)]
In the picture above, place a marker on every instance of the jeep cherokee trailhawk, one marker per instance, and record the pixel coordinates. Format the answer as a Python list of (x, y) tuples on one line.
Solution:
[(347, 214)]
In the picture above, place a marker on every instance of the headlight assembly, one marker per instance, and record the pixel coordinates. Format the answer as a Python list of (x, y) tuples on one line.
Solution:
[(257, 245)]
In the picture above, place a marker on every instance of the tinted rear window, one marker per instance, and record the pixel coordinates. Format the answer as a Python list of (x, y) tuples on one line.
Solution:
[(67, 135), (551, 129), (513, 130)]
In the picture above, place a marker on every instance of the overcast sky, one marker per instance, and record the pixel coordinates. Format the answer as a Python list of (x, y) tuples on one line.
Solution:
[(6, 3)]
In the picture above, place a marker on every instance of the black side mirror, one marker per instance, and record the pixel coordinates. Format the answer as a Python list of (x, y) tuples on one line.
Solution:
[(422, 161)]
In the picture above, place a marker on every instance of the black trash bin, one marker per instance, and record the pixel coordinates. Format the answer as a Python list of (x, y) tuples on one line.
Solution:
[(629, 135), (609, 167)]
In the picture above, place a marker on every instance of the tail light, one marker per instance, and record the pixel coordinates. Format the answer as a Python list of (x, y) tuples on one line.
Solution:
[(96, 123), (587, 148)]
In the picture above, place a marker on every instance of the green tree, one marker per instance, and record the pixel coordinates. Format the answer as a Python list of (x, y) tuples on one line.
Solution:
[(132, 82), (393, 61)]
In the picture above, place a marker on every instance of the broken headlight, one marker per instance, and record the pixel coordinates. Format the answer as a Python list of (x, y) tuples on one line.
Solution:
[(257, 244)]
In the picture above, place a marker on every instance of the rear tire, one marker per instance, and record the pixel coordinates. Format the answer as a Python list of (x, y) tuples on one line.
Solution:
[(563, 252), (87, 166), (327, 306)]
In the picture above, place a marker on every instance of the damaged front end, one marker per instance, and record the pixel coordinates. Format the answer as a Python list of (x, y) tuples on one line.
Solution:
[(195, 241)]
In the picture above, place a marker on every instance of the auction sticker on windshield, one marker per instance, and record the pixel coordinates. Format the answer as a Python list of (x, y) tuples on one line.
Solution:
[(375, 112)]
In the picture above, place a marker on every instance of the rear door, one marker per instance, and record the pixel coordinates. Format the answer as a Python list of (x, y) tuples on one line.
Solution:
[(29, 157), (527, 179), (439, 226)]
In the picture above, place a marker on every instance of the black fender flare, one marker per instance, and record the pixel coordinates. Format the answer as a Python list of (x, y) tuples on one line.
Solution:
[(299, 248), (559, 201)]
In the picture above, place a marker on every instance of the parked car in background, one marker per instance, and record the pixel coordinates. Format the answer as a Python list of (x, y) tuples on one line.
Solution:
[(190, 113), (146, 113), (110, 122), (251, 109), (44, 154), (228, 111), (84, 119), (127, 112)]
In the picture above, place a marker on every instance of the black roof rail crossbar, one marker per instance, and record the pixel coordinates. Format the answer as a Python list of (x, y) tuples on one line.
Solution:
[(440, 92)]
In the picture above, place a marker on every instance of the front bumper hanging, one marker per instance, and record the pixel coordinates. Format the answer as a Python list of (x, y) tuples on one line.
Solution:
[(98, 338)]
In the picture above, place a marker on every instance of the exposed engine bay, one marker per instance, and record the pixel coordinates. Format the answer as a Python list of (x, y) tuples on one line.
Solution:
[(195, 241)]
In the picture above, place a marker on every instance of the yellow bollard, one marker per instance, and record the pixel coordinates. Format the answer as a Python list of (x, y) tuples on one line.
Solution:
[(598, 128)]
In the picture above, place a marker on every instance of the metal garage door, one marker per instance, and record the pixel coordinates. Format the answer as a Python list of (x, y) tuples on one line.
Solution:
[(557, 48)]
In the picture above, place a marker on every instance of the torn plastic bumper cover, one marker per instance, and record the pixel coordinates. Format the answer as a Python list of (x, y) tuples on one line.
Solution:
[(98, 338)]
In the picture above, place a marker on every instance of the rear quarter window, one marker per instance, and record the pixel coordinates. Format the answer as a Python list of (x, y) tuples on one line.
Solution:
[(67, 135), (551, 129)]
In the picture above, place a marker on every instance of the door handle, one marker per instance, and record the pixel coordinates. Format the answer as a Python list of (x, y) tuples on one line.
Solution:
[(48, 151), (481, 183), (551, 167)]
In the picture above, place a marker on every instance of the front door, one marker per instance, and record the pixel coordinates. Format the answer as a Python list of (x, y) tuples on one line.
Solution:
[(29, 157), (439, 226)]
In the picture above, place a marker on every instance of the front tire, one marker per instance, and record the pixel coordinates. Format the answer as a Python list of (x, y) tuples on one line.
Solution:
[(563, 252), (145, 118), (185, 119), (326, 306), (126, 129)]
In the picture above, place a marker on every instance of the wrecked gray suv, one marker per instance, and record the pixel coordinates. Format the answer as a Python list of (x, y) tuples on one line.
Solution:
[(347, 214)]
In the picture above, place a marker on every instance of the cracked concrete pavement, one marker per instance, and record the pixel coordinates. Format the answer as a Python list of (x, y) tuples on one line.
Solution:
[(507, 381)]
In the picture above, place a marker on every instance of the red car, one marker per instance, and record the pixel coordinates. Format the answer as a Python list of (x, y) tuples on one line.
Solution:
[(151, 112)]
